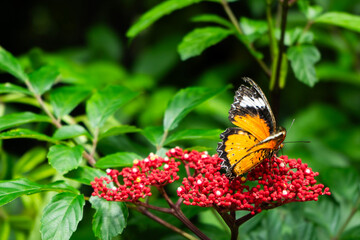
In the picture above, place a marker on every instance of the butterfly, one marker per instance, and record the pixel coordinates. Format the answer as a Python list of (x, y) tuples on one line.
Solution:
[(256, 136)]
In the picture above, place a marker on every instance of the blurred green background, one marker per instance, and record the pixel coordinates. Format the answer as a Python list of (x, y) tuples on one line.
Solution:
[(87, 40)]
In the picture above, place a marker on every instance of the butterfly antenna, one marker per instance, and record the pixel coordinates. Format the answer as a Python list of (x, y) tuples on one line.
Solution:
[(292, 123)]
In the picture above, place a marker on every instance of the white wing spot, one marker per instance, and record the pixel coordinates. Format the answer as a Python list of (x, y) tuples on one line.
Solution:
[(252, 102)]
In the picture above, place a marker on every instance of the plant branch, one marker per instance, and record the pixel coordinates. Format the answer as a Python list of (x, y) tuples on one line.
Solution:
[(55, 121), (160, 209), (243, 219), (272, 39), (146, 212), (284, 12), (237, 26), (94, 142), (351, 215), (42, 104), (164, 136)]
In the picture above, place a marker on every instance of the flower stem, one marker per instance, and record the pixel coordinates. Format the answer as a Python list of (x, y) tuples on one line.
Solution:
[(146, 212), (180, 215)]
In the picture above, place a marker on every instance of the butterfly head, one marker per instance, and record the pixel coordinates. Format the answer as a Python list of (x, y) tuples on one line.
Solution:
[(281, 134)]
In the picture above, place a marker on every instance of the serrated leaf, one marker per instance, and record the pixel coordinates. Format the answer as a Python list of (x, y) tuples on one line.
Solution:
[(65, 99), (12, 88), (16, 119), (106, 102), (10, 64), (120, 159), (156, 13), (64, 158), (341, 19), (85, 175), (110, 218), (194, 134), (12, 189), (119, 130), (61, 216), (26, 133), (70, 131), (153, 134), (43, 78), (195, 42), (303, 59), (253, 29), (184, 101), (213, 19)]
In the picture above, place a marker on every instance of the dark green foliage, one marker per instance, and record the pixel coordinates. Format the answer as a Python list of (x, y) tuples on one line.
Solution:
[(160, 79)]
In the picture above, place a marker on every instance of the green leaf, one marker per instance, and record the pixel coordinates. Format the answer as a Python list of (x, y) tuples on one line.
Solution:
[(11, 88), (65, 99), (85, 175), (154, 134), (10, 64), (156, 13), (120, 159), (110, 218), (303, 59), (43, 78), (311, 12), (106, 102), (119, 130), (16, 119), (213, 19), (185, 101), (341, 19), (194, 134), (61, 216), (12, 189), (253, 29), (26, 133), (64, 158), (195, 42), (70, 131), (30, 160)]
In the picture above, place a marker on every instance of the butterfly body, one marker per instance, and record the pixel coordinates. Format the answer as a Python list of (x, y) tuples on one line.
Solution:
[(256, 136)]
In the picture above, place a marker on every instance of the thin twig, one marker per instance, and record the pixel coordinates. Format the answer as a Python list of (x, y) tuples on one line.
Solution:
[(272, 39), (161, 144), (243, 219), (146, 212), (160, 209), (94, 142), (284, 12), (55, 121), (351, 215), (231, 16), (250, 46)]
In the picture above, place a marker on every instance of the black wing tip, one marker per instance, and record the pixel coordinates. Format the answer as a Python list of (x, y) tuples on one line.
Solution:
[(225, 164)]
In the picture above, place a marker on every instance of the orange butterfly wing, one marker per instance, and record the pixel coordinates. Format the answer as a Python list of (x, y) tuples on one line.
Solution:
[(256, 139)]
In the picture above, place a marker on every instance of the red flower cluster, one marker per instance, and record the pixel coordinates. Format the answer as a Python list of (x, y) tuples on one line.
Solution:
[(278, 182), (270, 184), (151, 171)]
